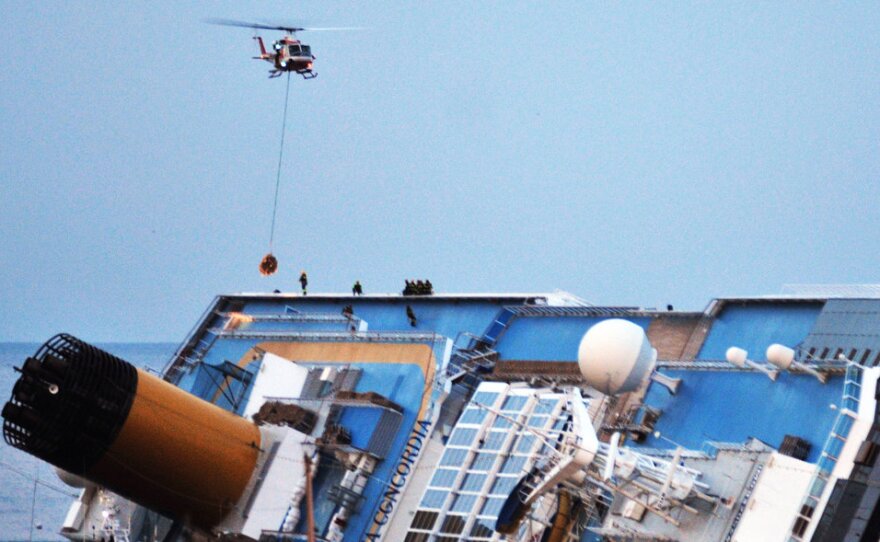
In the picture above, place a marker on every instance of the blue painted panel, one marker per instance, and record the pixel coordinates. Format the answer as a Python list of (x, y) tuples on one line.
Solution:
[(733, 406), (360, 423), (386, 379), (755, 326), (445, 318), (222, 350), (293, 326), (548, 338)]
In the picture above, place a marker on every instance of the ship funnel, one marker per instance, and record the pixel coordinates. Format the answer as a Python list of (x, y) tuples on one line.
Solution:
[(98, 418)]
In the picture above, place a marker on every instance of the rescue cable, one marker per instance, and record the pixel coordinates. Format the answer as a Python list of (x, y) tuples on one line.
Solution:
[(269, 264)]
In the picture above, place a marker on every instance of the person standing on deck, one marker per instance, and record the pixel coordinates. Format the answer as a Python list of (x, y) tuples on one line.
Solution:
[(411, 316), (304, 281), (357, 289)]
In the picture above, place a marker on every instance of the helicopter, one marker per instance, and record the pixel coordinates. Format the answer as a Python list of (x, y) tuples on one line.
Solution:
[(287, 54)]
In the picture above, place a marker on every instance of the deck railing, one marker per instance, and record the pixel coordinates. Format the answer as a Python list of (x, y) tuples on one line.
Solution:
[(830, 453)]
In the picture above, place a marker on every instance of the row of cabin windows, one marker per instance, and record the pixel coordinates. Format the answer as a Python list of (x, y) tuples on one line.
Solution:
[(473, 481), (452, 524)]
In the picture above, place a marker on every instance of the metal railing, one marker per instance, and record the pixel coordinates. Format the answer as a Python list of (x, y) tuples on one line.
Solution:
[(332, 336), (830, 454)]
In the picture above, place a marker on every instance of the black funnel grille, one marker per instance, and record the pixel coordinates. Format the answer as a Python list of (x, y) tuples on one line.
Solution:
[(69, 403)]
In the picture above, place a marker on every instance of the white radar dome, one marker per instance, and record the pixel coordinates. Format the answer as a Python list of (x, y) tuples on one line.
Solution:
[(780, 356), (737, 356), (615, 356)]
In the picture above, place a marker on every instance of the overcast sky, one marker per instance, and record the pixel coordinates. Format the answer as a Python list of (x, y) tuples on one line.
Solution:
[(630, 153)]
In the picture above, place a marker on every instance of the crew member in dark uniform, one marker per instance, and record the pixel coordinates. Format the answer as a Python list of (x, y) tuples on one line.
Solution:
[(304, 281), (411, 316)]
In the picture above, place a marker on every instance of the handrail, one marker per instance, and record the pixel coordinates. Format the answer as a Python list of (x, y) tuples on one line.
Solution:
[(333, 336), (828, 458)]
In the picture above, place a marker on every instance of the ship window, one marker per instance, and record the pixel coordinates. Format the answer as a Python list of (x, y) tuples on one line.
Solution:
[(424, 520), (852, 355), (493, 441), (502, 423), (416, 537), (443, 478), (453, 457), (877, 359), (473, 415), (843, 425), (525, 443), (824, 354), (492, 507), (513, 464), (453, 524), (865, 356), (483, 462), (807, 511), (800, 527), (837, 353), (503, 485), (485, 398), (483, 529), (463, 503), (812, 352), (434, 498), (514, 403), (545, 406), (473, 482), (538, 421), (462, 437)]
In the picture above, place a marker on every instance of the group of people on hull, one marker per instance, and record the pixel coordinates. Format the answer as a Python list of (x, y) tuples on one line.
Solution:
[(418, 287)]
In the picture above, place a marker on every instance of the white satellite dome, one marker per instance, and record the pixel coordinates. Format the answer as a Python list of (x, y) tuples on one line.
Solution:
[(780, 356), (737, 356), (615, 356)]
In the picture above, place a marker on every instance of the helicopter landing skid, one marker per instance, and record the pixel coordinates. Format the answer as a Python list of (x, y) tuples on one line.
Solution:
[(309, 74), (274, 73)]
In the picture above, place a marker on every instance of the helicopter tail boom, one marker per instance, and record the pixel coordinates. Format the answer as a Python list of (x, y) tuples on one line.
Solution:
[(263, 53)]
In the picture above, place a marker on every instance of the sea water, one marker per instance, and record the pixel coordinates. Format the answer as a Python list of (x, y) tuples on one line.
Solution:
[(29, 487)]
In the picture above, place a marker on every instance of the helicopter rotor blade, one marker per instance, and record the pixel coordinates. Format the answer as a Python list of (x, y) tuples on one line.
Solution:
[(332, 28), (245, 24), (290, 29)]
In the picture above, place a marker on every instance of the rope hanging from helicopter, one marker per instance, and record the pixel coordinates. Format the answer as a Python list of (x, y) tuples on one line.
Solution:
[(269, 264), (287, 54), (280, 157)]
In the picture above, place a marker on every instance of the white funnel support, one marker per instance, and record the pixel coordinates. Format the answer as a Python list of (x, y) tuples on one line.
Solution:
[(783, 357), (739, 357), (610, 463), (666, 381)]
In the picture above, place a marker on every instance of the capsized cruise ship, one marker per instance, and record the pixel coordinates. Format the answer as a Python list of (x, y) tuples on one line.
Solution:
[(440, 417)]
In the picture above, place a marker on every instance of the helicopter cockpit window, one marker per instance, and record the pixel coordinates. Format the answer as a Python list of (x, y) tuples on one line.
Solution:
[(307, 50), (294, 50)]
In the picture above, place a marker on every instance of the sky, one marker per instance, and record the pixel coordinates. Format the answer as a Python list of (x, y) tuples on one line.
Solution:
[(629, 153)]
